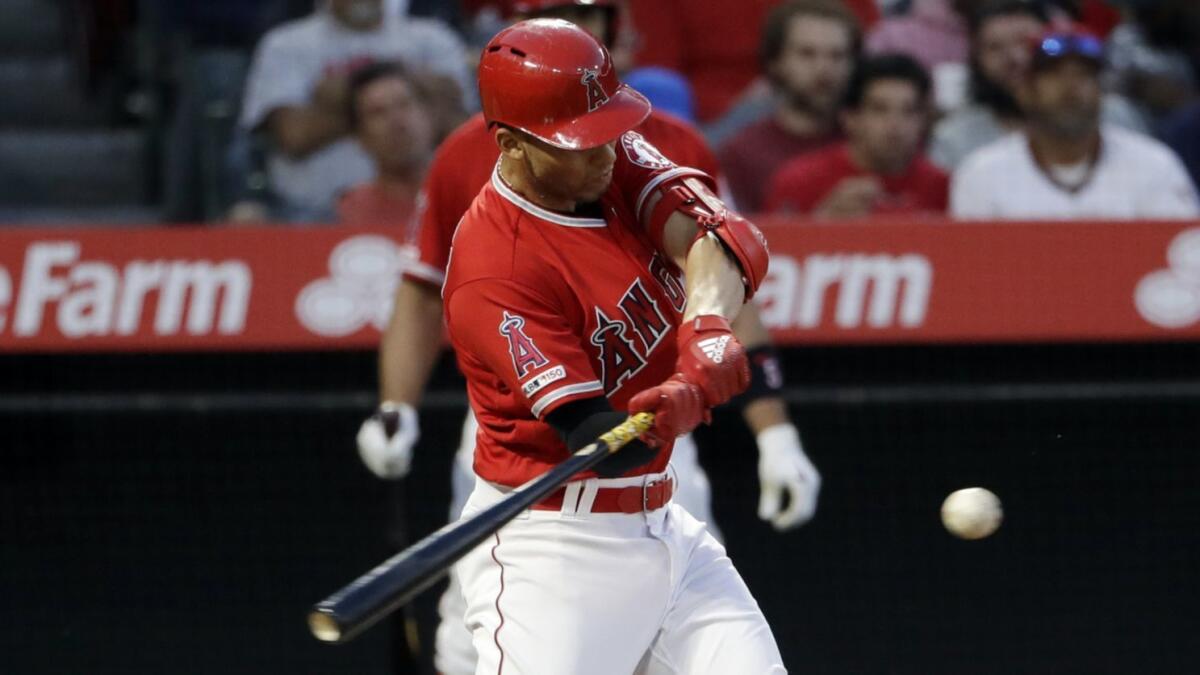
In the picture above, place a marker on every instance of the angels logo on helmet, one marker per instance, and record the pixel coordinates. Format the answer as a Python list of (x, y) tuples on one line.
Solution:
[(595, 92)]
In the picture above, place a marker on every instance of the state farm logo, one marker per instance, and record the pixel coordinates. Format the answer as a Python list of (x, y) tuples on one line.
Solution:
[(363, 273), (872, 291), (90, 298), (1170, 298)]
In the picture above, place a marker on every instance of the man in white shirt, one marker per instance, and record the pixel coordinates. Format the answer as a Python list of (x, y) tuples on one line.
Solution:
[(296, 92), (1064, 164)]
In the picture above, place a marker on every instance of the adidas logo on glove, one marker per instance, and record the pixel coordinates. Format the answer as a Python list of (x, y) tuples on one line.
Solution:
[(714, 348)]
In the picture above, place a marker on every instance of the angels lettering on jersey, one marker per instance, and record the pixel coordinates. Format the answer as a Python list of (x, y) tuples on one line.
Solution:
[(626, 333)]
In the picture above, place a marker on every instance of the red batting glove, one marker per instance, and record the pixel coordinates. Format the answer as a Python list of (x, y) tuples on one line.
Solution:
[(678, 407), (712, 357)]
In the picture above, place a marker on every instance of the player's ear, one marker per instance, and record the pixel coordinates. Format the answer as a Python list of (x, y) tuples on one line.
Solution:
[(510, 144)]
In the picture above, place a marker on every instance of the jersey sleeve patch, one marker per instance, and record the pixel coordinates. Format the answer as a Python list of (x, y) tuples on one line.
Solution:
[(526, 357), (641, 152), (543, 379)]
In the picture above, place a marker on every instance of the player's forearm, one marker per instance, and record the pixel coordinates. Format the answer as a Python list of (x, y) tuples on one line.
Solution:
[(714, 281), (302, 130), (749, 329), (411, 343)]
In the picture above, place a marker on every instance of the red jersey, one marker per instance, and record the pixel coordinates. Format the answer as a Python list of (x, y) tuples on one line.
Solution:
[(755, 153), (464, 163), (370, 204), (801, 184), (545, 308)]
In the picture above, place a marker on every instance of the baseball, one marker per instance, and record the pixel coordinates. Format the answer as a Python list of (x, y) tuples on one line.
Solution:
[(972, 513)]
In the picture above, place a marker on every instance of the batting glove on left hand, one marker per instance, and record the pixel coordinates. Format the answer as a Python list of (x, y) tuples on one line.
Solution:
[(783, 467)]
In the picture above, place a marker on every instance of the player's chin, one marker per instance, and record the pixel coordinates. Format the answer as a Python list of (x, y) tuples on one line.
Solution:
[(595, 188)]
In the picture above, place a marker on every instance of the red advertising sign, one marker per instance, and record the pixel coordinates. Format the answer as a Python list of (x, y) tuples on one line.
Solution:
[(330, 288)]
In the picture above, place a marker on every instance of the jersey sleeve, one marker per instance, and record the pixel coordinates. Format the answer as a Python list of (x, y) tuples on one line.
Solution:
[(640, 169), (520, 337), (440, 205)]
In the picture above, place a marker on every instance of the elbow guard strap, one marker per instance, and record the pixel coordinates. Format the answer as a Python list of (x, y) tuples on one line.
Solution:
[(739, 236)]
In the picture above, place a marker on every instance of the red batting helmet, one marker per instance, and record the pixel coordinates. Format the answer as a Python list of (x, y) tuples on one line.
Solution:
[(551, 79)]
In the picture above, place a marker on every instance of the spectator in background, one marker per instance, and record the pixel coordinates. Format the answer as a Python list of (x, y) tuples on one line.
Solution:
[(1001, 33), (808, 52), (1065, 164), (934, 32), (297, 88), (1153, 58), (880, 169), (390, 116), (1181, 132), (713, 43)]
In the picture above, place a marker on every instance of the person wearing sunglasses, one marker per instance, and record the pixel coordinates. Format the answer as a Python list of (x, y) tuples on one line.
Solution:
[(1001, 32), (1064, 163)]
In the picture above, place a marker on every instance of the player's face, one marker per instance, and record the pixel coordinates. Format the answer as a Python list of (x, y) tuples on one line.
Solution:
[(578, 176), (1002, 49), (1064, 98), (888, 126), (815, 64), (395, 127)]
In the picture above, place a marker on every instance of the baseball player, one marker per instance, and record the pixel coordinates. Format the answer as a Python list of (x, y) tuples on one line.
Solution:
[(411, 343), (567, 306)]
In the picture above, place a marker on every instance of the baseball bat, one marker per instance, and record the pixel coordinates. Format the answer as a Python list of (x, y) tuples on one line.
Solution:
[(399, 579)]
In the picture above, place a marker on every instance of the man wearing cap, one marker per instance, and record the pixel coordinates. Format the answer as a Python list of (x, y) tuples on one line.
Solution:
[(567, 308), (1064, 163)]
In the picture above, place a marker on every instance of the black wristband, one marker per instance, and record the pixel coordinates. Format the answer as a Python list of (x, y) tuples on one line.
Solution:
[(766, 376)]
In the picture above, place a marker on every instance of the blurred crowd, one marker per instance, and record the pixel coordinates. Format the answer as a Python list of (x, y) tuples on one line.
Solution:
[(830, 109)]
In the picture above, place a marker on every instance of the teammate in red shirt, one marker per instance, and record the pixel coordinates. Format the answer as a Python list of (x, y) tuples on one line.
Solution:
[(880, 169), (566, 304)]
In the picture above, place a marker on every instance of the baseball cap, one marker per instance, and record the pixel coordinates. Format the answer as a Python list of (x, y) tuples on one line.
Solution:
[(1056, 45)]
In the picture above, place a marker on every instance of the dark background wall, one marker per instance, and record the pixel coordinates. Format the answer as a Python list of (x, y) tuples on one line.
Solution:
[(178, 514)]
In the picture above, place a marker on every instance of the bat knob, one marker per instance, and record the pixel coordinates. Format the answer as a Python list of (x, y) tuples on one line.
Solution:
[(324, 627)]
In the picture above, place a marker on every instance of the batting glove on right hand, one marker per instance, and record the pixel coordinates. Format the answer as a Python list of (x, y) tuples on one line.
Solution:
[(783, 467), (711, 357), (386, 440), (678, 407)]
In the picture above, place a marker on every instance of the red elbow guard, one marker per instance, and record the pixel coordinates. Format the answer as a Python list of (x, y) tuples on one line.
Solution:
[(740, 237), (745, 241)]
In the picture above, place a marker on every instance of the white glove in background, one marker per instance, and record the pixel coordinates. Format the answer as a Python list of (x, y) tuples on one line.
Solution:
[(783, 467), (386, 440)]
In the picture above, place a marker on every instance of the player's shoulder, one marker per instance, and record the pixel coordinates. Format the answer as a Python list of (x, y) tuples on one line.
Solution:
[(492, 239), (467, 137)]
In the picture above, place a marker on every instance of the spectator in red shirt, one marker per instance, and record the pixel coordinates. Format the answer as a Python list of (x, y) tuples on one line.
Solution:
[(880, 169), (391, 118), (808, 52)]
